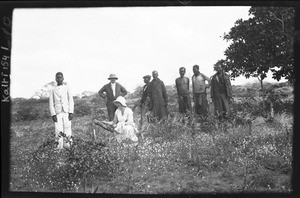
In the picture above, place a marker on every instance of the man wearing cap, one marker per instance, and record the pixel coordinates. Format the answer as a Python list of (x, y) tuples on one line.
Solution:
[(158, 97), (144, 101), (145, 104), (199, 91), (112, 91), (183, 85)]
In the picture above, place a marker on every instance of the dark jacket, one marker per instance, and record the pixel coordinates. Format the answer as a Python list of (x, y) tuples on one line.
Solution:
[(144, 94), (158, 98), (111, 108), (215, 87), (120, 91)]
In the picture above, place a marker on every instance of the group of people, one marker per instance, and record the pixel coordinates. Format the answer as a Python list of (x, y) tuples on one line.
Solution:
[(220, 92), (154, 100)]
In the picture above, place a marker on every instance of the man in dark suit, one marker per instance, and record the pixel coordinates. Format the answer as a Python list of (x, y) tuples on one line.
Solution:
[(112, 91)]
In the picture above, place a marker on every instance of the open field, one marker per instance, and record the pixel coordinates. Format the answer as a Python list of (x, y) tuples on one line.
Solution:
[(182, 155)]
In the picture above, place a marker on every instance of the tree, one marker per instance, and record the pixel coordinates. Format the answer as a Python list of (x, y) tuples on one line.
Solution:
[(263, 42)]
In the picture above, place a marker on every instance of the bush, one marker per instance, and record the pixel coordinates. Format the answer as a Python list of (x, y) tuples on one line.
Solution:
[(27, 113), (82, 108), (71, 168)]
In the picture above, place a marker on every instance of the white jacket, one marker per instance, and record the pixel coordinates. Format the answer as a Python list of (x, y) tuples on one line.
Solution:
[(61, 100)]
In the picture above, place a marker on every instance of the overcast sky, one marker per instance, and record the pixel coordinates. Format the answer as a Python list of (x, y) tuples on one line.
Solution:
[(88, 44)]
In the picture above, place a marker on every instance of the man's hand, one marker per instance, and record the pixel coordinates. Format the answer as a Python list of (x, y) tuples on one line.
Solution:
[(71, 116), (54, 118)]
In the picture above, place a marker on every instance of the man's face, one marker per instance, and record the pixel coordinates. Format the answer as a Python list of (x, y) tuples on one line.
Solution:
[(113, 80), (182, 72), (195, 70), (155, 74), (146, 80), (59, 79), (218, 69)]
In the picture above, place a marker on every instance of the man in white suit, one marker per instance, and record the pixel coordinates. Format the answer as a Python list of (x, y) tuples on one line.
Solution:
[(61, 109)]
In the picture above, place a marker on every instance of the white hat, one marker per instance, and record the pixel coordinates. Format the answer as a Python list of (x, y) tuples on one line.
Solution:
[(121, 100)]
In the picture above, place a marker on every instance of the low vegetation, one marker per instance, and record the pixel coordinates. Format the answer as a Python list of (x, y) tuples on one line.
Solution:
[(248, 152)]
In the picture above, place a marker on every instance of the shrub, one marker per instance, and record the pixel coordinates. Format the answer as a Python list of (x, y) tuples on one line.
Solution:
[(70, 168), (27, 113), (82, 108), (264, 179)]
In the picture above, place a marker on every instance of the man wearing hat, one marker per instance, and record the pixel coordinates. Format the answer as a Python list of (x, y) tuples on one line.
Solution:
[(147, 79), (112, 91), (145, 100)]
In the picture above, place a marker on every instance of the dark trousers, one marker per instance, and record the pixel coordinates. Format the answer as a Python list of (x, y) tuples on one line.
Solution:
[(200, 103), (184, 104), (111, 108), (221, 105)]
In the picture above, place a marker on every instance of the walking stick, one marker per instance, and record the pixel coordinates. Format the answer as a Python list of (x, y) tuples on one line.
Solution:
[(141, 121), (104, 125)]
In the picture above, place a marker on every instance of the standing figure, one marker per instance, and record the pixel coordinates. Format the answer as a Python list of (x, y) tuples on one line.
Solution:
[(183, 85), (113, 90), (61, 108), (158, 97), (145, 100), (221, 92), (199, 91)]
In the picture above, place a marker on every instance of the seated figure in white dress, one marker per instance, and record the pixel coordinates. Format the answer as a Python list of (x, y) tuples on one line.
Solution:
[(123, 121)]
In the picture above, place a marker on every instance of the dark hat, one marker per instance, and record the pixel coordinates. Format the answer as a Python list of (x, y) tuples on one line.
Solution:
[(147, 76), (112, 76)]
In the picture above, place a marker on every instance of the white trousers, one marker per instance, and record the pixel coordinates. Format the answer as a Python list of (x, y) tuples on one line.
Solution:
[(63, 125)]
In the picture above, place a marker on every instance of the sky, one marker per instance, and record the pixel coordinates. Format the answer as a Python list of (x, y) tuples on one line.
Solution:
[(88, 44)]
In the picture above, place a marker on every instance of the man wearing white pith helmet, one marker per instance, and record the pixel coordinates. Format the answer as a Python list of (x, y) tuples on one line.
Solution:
[(112, 91)]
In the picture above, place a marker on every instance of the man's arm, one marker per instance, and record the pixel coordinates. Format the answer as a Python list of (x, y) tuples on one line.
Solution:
[(193, 89), (71, 103), (188, 83), (123, 91), (164, 93), (228, 86), (100, 92), (144, 95), (177, 87), (51, 106), (207, 79), (212, 89)]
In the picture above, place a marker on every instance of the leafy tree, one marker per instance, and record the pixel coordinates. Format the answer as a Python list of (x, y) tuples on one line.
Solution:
[(263, 42)]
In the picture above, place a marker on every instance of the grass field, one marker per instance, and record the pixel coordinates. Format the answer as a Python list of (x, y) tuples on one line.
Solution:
[(172, 157)]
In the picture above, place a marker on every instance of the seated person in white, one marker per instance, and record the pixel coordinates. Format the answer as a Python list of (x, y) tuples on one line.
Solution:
[(123, 121)]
